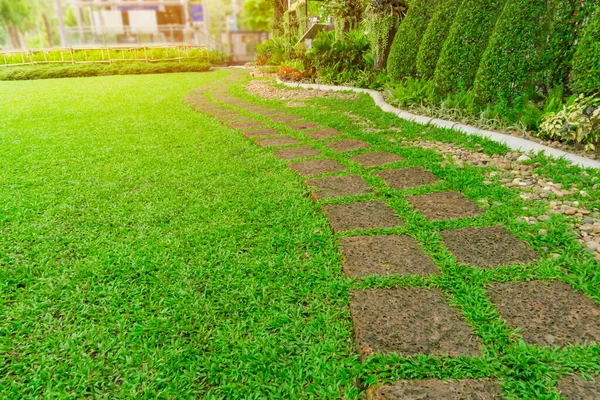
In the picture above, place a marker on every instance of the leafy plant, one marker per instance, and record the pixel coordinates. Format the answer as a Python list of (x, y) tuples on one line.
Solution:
[(586, 64)]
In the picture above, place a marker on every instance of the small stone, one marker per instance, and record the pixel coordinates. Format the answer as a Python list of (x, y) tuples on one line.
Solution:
[(592, 245), (543, 232), (588, 221), (596, 228), (570, 211), (523, 158)]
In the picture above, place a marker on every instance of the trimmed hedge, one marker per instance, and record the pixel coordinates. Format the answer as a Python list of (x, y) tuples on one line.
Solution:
[(507, 66), (51, 71), (434, 37), (403, 54), (467, 40), (586, 62)]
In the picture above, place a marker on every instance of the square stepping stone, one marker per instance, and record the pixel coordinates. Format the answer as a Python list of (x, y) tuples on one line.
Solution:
[(488, 247), (303, 126), (385, 255), (270, 113), (405, 178), (347, 145), (547, 314), (573, 387), (286, 118), (246, 125), (220, 113), (361, 215), (339, 186), (276, 141), (376, 159), (445, 205), (260, 132), (291, 153), (326, 133), (317, 167), (468, 389), (409, 322)]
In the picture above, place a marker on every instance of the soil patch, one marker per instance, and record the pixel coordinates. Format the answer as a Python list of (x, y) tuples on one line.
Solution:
[(291, 153), (267, 91), (385, 255), (488, 247), (405, 178), (361, 215), (260, 132), (547, 314), (246, 125), (573, 387), (339, 186), (445, 205), (326, 133), (409, 322), (376, 159), (303, 126), (317, 167), (286, 118), (276, 141), (434, 389), (347, 145)]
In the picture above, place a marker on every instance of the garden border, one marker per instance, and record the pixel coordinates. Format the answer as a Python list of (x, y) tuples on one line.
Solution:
[(514, 143)]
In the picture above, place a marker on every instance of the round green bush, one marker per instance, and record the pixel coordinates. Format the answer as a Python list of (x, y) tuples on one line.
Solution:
[(403, 54), (434, 37), (466, 43), (586, 62), (506, 68)]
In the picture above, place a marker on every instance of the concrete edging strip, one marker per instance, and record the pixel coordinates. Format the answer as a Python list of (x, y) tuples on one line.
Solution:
[(512, 142)]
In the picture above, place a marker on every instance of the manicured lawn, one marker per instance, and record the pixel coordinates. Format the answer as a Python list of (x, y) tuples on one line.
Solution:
[(146, 251)]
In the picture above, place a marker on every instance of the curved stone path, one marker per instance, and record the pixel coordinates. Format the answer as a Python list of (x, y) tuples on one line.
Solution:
[(375, 239)]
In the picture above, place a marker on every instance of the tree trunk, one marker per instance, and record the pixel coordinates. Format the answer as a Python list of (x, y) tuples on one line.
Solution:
[(48, 31), (14, 36), (386, 51)]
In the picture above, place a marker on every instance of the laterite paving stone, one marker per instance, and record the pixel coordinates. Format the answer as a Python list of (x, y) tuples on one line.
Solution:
[(317, 167), (547, 314), (573, 387), (286, 118), (361, 215), (339, 186), (342, 146), (326, 133), (291, 153), (385, 255), (376, 159), (245, 125), (271, 113), (303, 126), (276, 141), (488, 247), (260, 132), (405, 178), (468, 389), (409, 322), (445, 205)]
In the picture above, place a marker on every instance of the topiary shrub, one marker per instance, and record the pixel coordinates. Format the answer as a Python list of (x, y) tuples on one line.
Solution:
[(506, 68), (466, 43), (403, 54), (434, 37), (586, 62)]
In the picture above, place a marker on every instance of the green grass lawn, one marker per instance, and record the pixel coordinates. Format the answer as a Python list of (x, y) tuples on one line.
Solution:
[(146, 251)]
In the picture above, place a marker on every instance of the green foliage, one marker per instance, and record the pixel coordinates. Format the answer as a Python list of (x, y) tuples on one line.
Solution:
[(435, 36), (578, 122), (257, 15), (586, 63), (466, 43), (403, 55), (290, 29), (379, 30), (301, 14), (351, 12), (273, 52), (52, 71), (506, 68)]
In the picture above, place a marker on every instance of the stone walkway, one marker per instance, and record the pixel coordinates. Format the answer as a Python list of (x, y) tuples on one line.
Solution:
[(375, 201)]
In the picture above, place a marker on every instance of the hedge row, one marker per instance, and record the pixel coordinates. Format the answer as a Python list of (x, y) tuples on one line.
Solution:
[(586, 63), (52, 71)]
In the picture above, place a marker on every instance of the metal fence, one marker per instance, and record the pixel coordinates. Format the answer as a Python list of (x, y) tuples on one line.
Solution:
[(107, 55)]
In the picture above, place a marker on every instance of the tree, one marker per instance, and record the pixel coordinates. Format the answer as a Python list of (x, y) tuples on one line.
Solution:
[(257, 15), (350, 12), (467, 40), (435, 36), (14, 15), (586, 62), (382, 22)]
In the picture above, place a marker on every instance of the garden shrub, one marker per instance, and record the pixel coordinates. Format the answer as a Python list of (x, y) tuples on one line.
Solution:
[(301, 16), (586, 62), (434, 37), (402, 59), (51, 71), (467, 40), (506, 68)]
